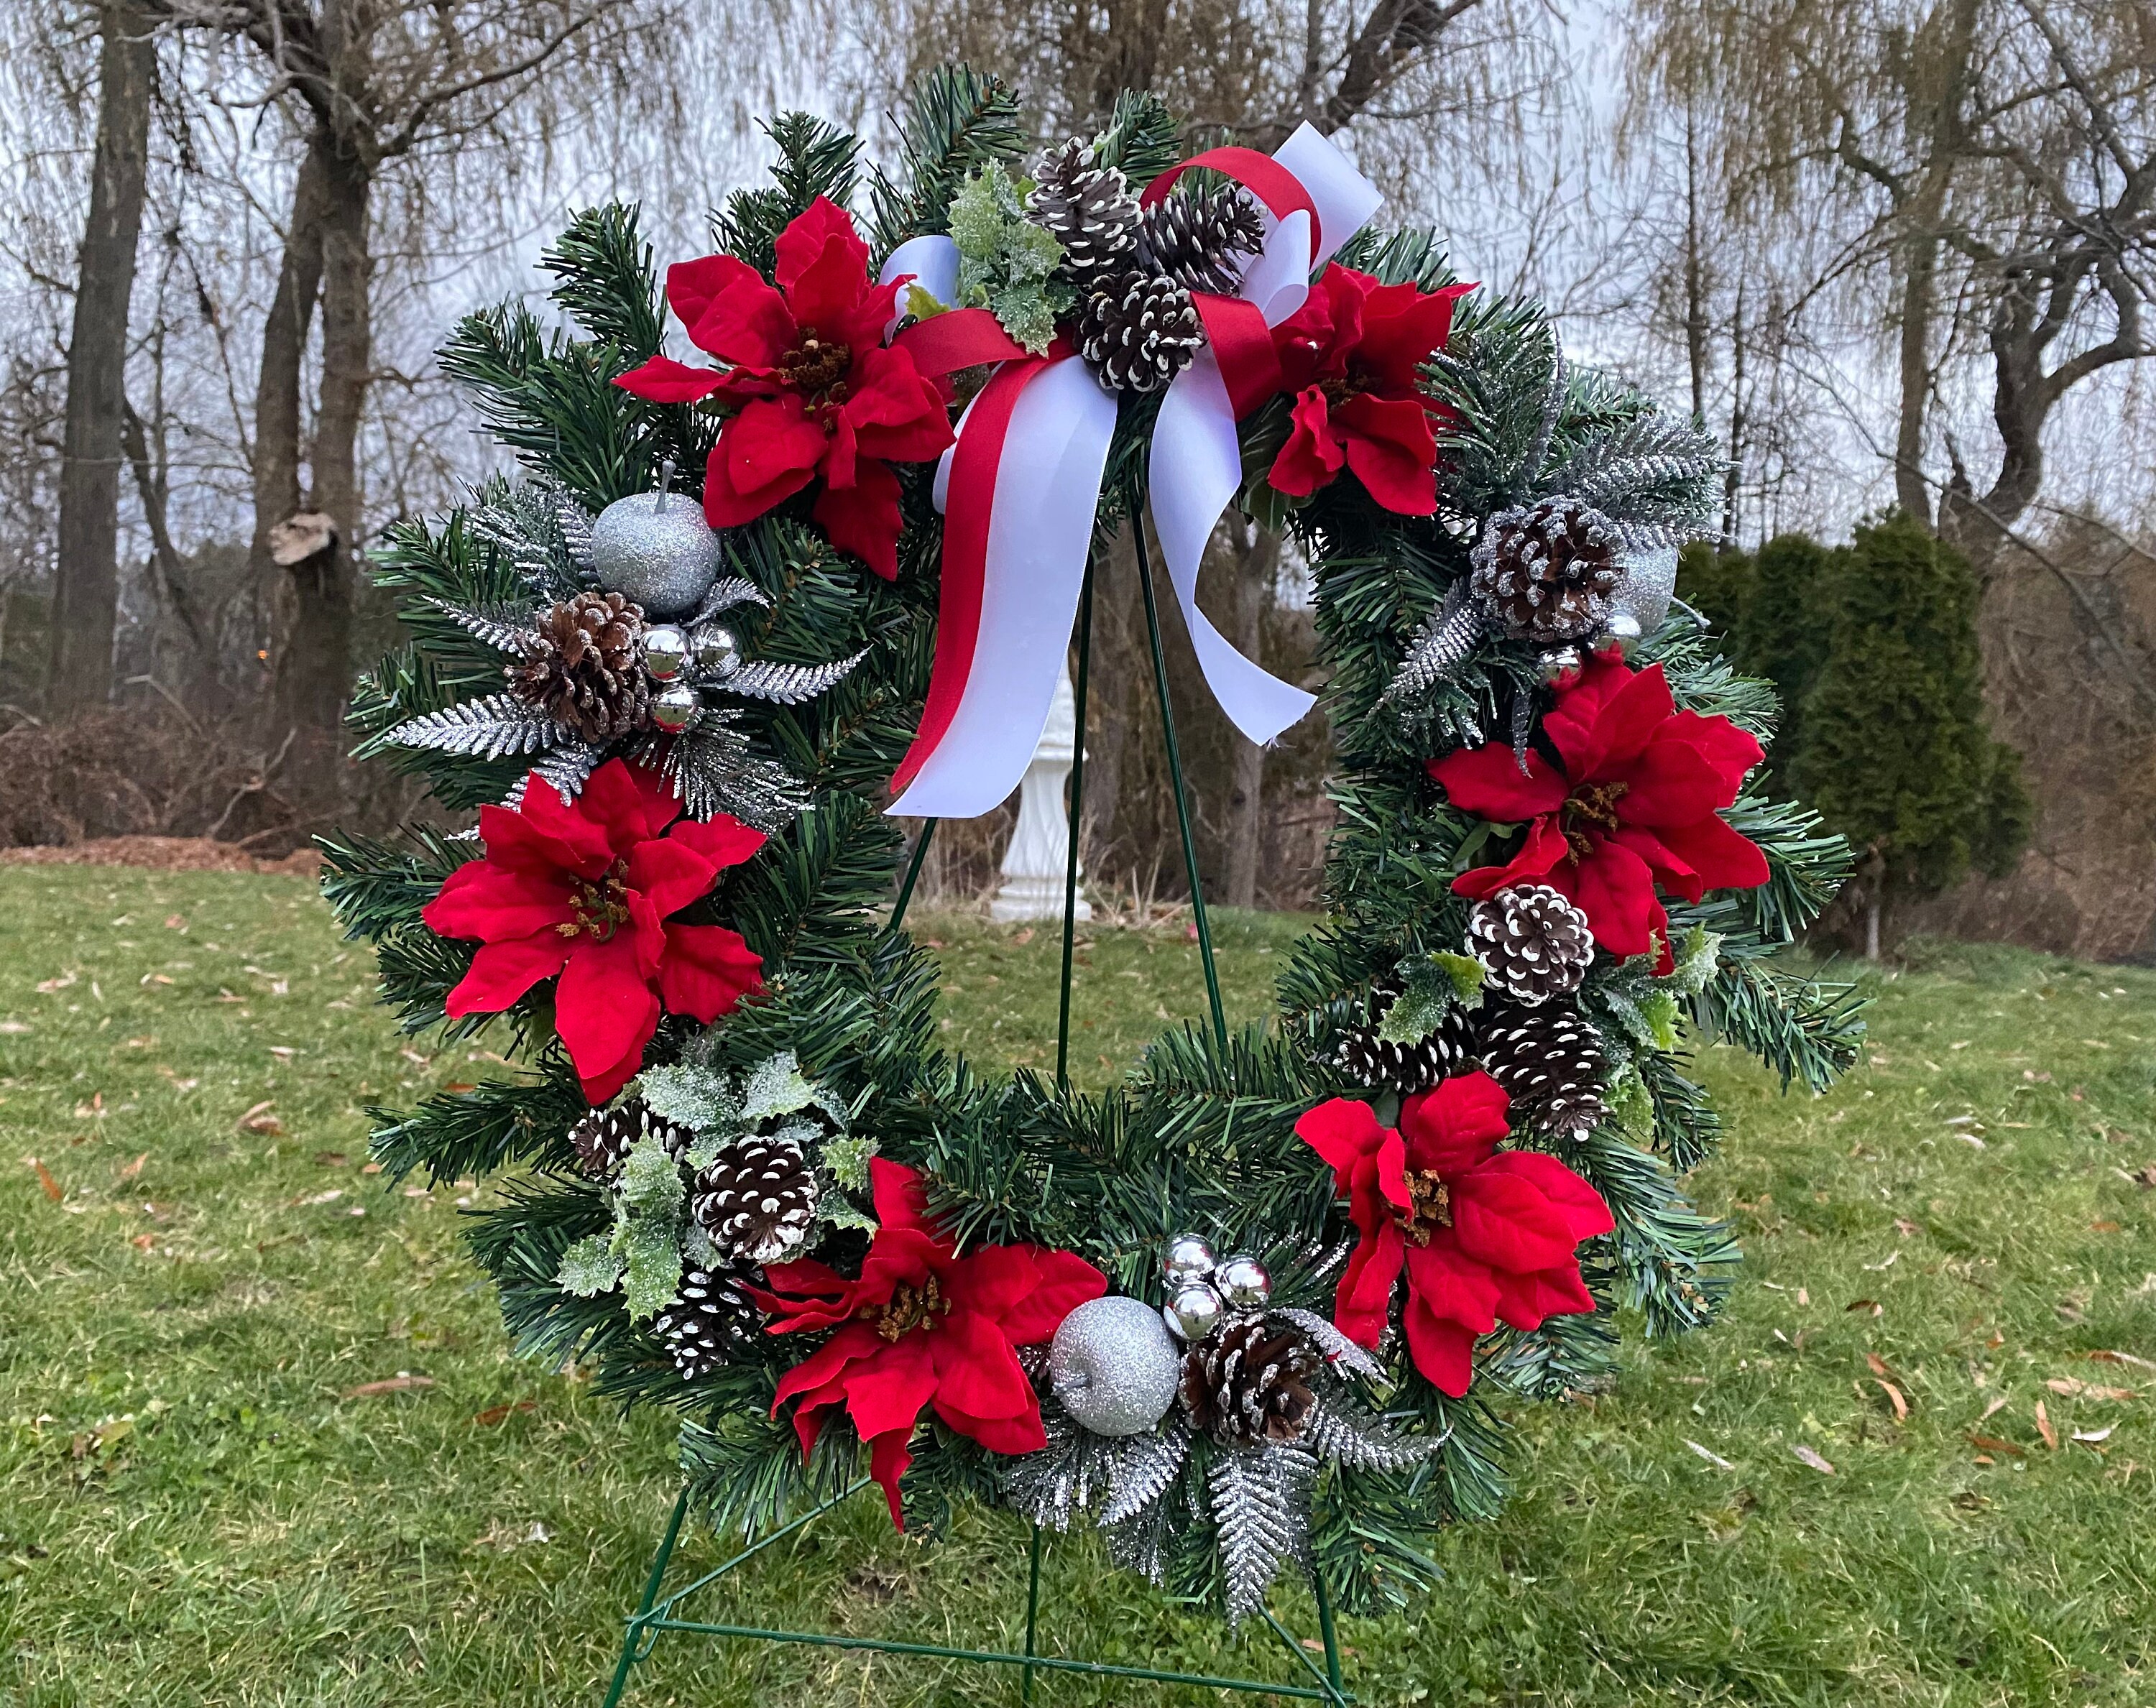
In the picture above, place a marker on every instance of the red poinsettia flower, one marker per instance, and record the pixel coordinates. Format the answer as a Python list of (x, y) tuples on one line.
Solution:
[(1350, 354), (821, 396), (1484, 1234), (582, 889), (1635, 802), (923, 1327)]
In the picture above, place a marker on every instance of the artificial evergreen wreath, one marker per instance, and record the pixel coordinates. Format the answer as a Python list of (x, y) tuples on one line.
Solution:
[(1250, 1309)]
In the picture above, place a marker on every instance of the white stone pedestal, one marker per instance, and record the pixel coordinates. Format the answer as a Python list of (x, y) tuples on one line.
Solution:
[(1033, 864)]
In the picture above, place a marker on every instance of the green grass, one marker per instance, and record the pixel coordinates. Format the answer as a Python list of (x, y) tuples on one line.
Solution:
[(196, 1508)]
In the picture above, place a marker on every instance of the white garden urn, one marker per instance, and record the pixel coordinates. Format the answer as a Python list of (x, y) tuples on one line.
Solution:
[(1033, 864)]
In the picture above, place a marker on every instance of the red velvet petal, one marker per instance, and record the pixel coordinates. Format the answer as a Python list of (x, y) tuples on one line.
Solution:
[(857, 1340), (1452, 1284), (1671, 782), (706, 971), (1615, 889), (1343, 1132), (1488, 782), (889, 1459), (1312, 455), (1525, 1300), (1581, 1207), (1724, 859), (693, 286), (900, 1194), (747, 324), (1067, 1281), (1391, 451), (863, 518), (807, 239), (993, 1280), (1728, 749), (723, 840), (1001, 1435), (1506, 1222), (1360, 1302), (669, 873), (1456, 1124), (1442, 1350), (1544, 858), (977, 1373), (886, 1389), (768, 452), (1573, 723), (614, 803), (493, 902), (547, 828), (604, 1010), (1630, 719), (663, 380), (1403, 328), (602, 1082), (896, 414), (503, 971)]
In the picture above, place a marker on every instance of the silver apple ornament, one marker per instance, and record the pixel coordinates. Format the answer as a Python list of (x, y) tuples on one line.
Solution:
[(1113, 1367), (657, 549)]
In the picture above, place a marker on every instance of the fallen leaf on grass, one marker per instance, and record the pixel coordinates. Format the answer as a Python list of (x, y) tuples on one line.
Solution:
[(495, 1414), (2106, 1355), (1892, 1257), (417, 1061), (1994, 1409), (319, 1198), (2093, 1436), (457, 1087), (393, 1384), (261, 1119), (1870, 1305), (1812, 1457), (1904, 1227), (45, 1179), (12, 1027), (2144, 1175), (143, 1242), (2073, 1385), (1710, 1455), (130, 1170), (47, 986), (1877, 1364), (1992, 1444), (330, 1159), (1894, 1399), (2045, 1428), (369, 1168), (2103, 1227)]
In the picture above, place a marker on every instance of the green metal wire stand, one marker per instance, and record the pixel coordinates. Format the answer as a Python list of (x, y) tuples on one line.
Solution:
[(656, 1614)]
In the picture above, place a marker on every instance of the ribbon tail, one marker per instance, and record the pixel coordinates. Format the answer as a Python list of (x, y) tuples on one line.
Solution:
[(1195, 471), (1033, 491)]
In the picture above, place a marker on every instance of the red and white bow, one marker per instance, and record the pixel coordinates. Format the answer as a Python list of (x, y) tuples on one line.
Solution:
[(1019, 488)]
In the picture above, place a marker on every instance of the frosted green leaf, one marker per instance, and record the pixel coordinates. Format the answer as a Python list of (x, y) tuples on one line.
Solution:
[(654, 1273), (1660, 1011), (986, 204), (848, 1160), (1030, 252), (922, 305), (590, 1267), (1433, 985), (1698, 957), (695, 1097), (838, 1213), (1630, 1102), (1466, 972), (777, 1087), (1026, 312), (697, 1248), (650, 1182)]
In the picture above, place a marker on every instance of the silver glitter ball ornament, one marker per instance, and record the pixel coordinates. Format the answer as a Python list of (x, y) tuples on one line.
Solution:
[(674, 706), (1189, 1259), (717, 649), (1641, 597), (657, 549), (665, 652), (1192, 1311), (1243, 1282), (1113, 1367)]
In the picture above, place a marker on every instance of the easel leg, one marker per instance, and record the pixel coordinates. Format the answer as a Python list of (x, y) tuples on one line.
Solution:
[(634, 1635), (1331, 1638), (1032, 1618)]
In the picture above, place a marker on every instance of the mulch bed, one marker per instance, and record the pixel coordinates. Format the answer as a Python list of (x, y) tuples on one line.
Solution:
[(162, 853)]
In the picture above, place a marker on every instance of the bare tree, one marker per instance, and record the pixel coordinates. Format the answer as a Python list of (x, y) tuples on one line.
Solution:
[(86, 589)]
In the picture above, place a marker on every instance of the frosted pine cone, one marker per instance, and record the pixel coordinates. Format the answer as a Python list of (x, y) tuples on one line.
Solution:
[(1546, 572), (603, 1138), (1405, 1067), (757, 1198), (1198, 240), (1534, 943), (710, 1318), (582, 667), (1138, 331), (1087, 208), (1247, 1384), (1551, 1063)]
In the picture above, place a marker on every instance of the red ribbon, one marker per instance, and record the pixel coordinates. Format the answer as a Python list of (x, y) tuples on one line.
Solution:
[(1265, 178)]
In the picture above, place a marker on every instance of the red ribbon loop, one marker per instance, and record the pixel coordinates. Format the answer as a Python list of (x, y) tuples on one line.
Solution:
[(1243, 345)]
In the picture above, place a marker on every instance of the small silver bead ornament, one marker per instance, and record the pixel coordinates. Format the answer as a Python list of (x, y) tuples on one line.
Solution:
[(1189, 1259), (1193, 1310), (716, 650), (1243, 1282), (1113, 1367), (665, 652), (674, 707), (656, 549)]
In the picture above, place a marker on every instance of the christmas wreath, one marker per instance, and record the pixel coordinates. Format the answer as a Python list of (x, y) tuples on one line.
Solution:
[(1257, 1307)]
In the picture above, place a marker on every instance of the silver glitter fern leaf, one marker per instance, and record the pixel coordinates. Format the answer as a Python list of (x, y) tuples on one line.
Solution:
[(726, 592), (1653, 470), (568, 768), (1441, 647), (786, 684), (1260, 1501), (1333, 1430), (1145, 1467), (507, 628), (1339, 1351), (1051, 1486), (490, 728)]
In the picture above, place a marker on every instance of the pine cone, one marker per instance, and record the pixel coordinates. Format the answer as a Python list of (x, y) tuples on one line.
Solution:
[(584, 669), (1532, 941), (1248, 1384), (710, 1318), (756, 1198), (1089, 209), (1546, 572), (1550, 1063), (1138, 331), (603, 1138), (1195, 239), (1405, 1067)]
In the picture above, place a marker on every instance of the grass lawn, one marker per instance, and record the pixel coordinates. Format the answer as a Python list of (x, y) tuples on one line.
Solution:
[(263, 1443)]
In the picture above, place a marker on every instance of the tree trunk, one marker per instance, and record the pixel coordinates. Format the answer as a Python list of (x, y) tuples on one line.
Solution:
[(1732, 477), (314, 663), (1695, 278), (1875, 902), (85, 592), (1254, 596), (285, 331)]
